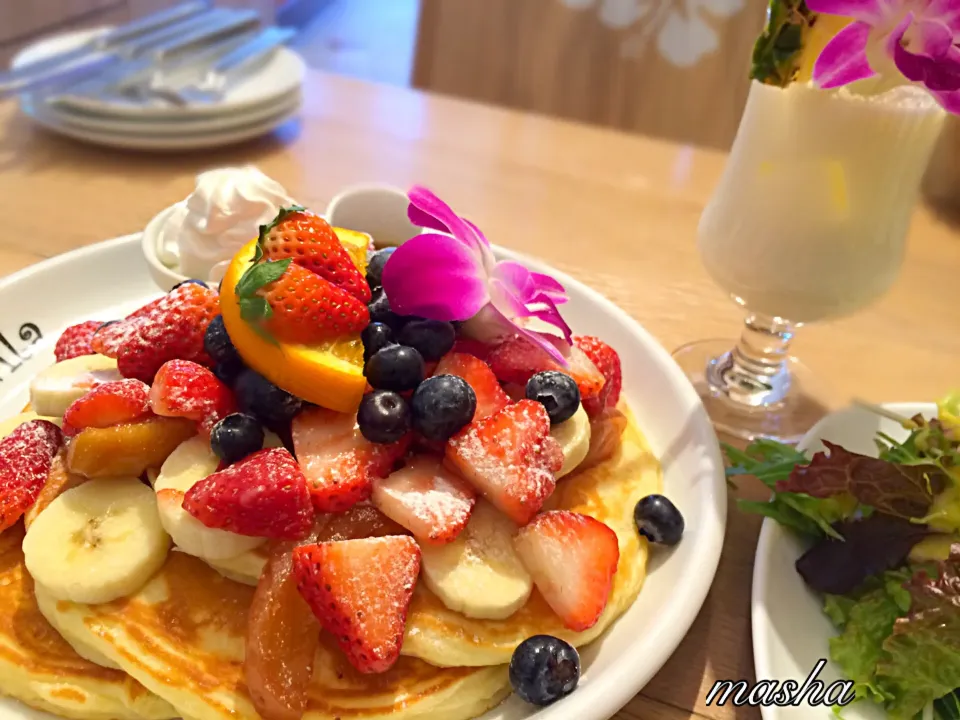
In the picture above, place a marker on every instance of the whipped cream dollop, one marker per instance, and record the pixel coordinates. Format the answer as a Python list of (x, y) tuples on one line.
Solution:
[(224, 212)]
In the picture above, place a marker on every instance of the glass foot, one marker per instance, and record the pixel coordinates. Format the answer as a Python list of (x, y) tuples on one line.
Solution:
[(784, 408)]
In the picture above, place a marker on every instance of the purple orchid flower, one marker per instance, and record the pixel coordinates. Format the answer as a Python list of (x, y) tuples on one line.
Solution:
[(452, 274), (918, 38)]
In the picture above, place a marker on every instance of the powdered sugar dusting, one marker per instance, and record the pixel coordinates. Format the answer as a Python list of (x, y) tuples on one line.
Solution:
[(427, 499), (503, 457)]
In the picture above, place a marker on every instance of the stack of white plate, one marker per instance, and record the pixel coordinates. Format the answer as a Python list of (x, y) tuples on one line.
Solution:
[(255, 105)]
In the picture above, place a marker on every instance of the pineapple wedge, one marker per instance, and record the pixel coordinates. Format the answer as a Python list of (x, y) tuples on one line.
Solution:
[(789, 45)]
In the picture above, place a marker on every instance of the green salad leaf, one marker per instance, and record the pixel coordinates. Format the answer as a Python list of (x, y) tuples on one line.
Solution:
[(866, 619), (772, 462), (921, 658)]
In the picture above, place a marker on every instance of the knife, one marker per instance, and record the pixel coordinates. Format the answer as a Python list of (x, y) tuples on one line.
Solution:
[(106, 41), (126, 76), (155, 47)]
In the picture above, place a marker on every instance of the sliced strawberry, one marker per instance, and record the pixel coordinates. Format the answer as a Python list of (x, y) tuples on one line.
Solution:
[(110, 404), (185, 389), (572, 559), (517, 359), (510, 458), (427, 499), (298, 306), (26, 455), (75, 340), (607, 361), (340, 464), (360, 591), (312, 244), (263, 495), (490, 396)]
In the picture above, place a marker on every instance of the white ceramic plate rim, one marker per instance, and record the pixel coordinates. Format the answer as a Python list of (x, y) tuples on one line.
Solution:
[(169, 127), (172, 142), (771, 535), (678, 579), (284, 73)]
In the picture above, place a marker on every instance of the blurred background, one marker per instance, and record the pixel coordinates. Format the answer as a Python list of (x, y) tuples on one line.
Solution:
[(672, 69)]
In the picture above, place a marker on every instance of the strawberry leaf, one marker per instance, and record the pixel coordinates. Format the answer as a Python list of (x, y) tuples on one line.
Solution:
[(282, 215), (260, 275), (903, 490), (255, 309)]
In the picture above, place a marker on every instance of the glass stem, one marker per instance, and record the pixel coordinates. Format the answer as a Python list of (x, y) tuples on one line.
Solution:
[(755, 372)]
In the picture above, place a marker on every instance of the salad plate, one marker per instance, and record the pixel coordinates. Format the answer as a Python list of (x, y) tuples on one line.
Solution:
[(803, 635), (618, 664)]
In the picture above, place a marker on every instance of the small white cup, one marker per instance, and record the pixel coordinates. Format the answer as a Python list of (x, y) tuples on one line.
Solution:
[(376, 209)]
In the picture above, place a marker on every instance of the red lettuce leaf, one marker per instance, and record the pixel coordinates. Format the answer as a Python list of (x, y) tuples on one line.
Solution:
[(905, 491), (921, 658), (869, 546)]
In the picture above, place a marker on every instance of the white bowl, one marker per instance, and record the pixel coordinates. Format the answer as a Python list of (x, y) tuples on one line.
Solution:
[(616, 666), (790, 632)]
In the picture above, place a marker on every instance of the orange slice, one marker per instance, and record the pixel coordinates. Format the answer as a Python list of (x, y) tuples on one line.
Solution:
[(329, 375)]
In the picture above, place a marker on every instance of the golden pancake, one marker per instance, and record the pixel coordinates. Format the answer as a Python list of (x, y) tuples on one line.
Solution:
[(607, 492), (182, 636), (39, 668)]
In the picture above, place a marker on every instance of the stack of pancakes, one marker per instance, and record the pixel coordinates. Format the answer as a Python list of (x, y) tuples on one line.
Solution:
[(175, 649)]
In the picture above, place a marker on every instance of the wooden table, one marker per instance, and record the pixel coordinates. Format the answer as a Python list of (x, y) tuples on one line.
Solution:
[(618, 212)]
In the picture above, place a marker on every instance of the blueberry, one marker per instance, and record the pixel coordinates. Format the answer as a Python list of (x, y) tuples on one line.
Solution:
[(432, 338), (658, 520), (442, 405), (375, 266), (235, 437), (201, 283), (379, 307), (557, 392), (395, 367), (217, 343), (383, 417), (227, 372), (544, 669), (259, 397), (375, 336)]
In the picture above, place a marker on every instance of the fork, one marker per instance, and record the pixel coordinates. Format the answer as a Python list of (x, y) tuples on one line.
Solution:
[(213, 83)]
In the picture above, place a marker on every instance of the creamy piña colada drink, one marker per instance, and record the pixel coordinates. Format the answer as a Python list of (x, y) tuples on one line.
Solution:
[(810, 218)]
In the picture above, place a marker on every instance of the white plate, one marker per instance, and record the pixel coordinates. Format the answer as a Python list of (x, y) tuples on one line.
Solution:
[(790, 632), (283, 73), (169, 126), (164, 142), (616, 666)]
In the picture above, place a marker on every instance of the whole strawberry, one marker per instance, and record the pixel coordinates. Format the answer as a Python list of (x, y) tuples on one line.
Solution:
[(75, 340), (170, 328), (190, 301), (311, 243), (294, 305), (263, 495)]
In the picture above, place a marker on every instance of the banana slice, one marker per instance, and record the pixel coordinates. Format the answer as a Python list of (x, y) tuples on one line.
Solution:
[(190, 463), (97, 542), (574, 437), (10, 424), (52, 390), (479, 574)]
